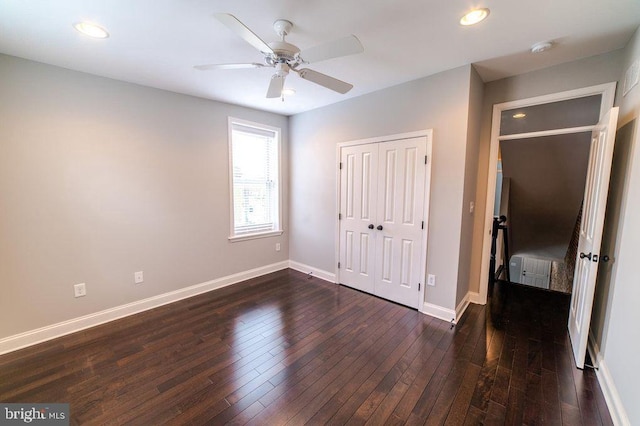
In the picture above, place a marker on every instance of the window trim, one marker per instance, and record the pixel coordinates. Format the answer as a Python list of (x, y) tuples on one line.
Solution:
[(231, 121)]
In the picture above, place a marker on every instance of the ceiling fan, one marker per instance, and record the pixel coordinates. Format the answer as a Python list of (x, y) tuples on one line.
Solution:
[(286, 57)]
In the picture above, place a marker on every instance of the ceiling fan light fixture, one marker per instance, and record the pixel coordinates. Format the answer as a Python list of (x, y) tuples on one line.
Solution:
[(288, 91), (91, 30), (519, 115), (474, 16)]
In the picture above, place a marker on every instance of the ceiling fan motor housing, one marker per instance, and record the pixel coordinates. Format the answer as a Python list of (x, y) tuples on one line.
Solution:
[(284, 50)]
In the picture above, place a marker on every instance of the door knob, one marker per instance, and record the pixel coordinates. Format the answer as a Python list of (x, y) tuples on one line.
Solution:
[(604, 258), (371, 226), (588, 256), (379, 228)]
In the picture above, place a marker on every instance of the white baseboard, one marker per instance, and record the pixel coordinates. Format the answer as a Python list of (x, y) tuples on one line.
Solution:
[(611, 395), (439, 312), (476, 299), (324, 275), (449, 314), (594, 349), (32, 337), (462, 306)]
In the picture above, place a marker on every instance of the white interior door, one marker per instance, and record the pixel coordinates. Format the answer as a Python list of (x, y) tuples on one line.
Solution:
[(401, 180), (595, 201), (382, 199), (358, 215)]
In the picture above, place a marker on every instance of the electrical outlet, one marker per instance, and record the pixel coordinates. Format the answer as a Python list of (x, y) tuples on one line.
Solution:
[(80, 290), (138, 277), (277, 246), (431, 280)]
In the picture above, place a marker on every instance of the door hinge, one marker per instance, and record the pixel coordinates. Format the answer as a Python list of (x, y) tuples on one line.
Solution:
[(418, 286), (339, 216), (338, 265), (423, 224), (425, 159), (340, 165)]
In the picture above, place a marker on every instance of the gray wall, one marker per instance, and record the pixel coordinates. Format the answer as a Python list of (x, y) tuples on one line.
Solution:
[(616, 315), (99, 179), (547, 176), (591, 71), (474, 119), (440, 102)]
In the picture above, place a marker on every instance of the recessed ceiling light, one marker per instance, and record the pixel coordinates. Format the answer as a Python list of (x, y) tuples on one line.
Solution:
[(541, 47), (289, 91), (519, 115), (475, 16), (91, 30)]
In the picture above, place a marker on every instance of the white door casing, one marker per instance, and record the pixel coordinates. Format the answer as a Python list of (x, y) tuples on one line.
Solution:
[(384, 184), (608, 94), (591, 226)]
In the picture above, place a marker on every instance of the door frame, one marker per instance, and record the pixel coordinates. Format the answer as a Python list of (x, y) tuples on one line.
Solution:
[(428, 134), (607, 90)]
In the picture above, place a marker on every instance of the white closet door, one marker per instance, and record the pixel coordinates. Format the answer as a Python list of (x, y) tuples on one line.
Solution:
[(399, 228), (382, 197), (358, 215)]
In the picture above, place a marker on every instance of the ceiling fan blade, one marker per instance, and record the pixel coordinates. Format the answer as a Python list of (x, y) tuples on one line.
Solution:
[(227, 66), (324, 80), (275, 86), (243, 31), (342, 47)]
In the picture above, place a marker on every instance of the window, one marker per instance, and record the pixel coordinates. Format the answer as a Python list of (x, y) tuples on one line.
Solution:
[(574, 112), (254, 151)]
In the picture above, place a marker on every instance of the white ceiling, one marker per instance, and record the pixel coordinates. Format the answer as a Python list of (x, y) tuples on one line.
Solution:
[(157, 42)]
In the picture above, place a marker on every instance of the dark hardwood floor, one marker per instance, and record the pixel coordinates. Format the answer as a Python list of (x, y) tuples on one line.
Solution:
[(285, 349)]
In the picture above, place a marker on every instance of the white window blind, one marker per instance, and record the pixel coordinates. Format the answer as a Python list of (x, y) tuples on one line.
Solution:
[(254, 174)]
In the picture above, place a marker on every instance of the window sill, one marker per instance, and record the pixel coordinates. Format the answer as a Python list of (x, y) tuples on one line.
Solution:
[(244, 237)]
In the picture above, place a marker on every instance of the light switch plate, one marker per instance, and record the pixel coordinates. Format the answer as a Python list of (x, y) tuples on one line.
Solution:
[(431, 280)]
